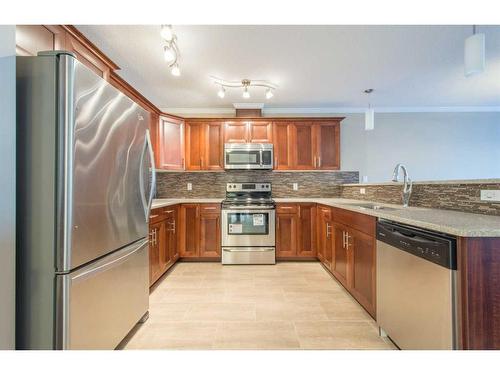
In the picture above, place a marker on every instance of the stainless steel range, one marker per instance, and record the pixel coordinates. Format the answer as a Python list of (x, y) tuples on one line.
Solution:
[(248, 224)]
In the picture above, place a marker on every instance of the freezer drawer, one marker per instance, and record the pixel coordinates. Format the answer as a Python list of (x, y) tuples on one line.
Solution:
[(100, 303)]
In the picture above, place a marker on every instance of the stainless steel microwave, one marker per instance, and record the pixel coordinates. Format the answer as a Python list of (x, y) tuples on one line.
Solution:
[(248, 156)]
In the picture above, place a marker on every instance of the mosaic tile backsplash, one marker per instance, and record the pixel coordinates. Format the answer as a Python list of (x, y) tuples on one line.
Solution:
[(213, 184), (446, 196)]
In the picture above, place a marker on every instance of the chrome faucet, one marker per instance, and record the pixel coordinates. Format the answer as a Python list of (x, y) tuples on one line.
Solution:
[(407, 183)]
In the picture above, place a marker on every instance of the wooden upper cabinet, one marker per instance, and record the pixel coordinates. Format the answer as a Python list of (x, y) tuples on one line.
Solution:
[(194, 145), (307, 145), (248, 131), (303, 145), (328, 145), (204, 145), (236, 132), (283, 152), (170, 144), (213, 158), (260, 132)]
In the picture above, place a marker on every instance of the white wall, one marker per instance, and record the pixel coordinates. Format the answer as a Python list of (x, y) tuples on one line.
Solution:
[(7, 185), (434, 146)]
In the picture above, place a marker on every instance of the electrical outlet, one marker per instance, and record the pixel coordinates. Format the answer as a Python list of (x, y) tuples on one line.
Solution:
[(362, 191), (295, 186), (189, 186), (490, 195)]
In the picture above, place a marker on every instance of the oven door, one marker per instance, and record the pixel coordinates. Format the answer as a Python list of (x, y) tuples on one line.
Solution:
[(244, 227)]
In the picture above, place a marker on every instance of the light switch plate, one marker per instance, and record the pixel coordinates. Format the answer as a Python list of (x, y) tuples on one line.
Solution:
[(189, 186), (295, 186), (362, 191), (490, 195)]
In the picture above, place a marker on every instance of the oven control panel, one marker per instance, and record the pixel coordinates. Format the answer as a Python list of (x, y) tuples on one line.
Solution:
[(248, 187)]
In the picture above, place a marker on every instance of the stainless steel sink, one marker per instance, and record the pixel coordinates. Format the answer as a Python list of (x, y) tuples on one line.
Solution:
[(372, 206)]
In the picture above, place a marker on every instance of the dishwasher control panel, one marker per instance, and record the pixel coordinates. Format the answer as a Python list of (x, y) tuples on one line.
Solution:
[(432, 246)]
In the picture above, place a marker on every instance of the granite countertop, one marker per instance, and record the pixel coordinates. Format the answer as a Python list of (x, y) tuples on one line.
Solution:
[(452, 222)]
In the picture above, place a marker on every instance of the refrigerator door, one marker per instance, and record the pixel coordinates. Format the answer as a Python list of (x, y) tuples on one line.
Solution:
[(103, 199), (100, 303)]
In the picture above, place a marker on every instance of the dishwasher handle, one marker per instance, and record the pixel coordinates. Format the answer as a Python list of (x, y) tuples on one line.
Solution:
[(432, 246)]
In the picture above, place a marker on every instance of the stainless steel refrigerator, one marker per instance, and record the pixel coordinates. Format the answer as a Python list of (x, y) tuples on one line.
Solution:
[(84, 190)]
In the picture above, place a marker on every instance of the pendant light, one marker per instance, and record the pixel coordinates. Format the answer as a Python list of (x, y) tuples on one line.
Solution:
[(369, 114), (474, 53)]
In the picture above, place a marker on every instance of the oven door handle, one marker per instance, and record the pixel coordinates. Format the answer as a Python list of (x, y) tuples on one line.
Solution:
[(246, 211)]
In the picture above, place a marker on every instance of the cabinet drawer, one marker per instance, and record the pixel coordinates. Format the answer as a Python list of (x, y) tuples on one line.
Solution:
[(286, 208), (168, 212), (363, 223), (156, 215), (210, 208)]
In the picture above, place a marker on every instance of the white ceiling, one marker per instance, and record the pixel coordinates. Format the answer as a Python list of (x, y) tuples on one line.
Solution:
[(314, 66)]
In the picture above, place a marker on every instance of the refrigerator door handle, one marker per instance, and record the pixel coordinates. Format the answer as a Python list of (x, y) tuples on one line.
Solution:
[(147, 201)]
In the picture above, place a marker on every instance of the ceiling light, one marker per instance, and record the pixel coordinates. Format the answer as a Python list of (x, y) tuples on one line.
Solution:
[(221, 93), (369, 113), (474, 53), (176, 70), (246, 94), (167, 33), (269, 94), (169, 54), (370, 119)]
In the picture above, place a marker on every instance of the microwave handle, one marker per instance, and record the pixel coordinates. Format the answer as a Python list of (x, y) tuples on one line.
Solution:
[(261, 158)]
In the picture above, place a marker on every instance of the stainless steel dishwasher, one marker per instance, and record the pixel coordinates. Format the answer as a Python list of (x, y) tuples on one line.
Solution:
[(416, 286)]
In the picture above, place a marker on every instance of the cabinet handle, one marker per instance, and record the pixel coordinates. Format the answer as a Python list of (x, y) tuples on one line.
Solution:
[(209, 208), (328, 233), (319, 162), (286, 207), (173, 226), (314, 162), (153, 216), (276, 162), (347, 237), (168, 211), (343, 239), (197, 211)]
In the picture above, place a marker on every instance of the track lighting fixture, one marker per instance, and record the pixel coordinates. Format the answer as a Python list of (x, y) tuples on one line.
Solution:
[(245, 84), (170, 50)]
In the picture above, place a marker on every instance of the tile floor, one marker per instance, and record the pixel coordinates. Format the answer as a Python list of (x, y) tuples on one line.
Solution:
[(291, 305)]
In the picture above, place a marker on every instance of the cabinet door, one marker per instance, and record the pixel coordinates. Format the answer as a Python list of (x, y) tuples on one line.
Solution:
[(363, 255), (324, 251), (260, 132), (306, 234), (170, 144), (327, 136), (236, 132), (194, 145), (210, 245), (303, 146), (162, 244), (190, 230), (155, 231), (340, 264), (286, 234), (213, 158), (282, 134), (174, 235)]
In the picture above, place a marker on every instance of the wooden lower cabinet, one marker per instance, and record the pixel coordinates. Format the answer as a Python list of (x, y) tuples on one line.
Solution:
[(200, 231), (354, 255), (325, 236), (295, 230), (163, 241)]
